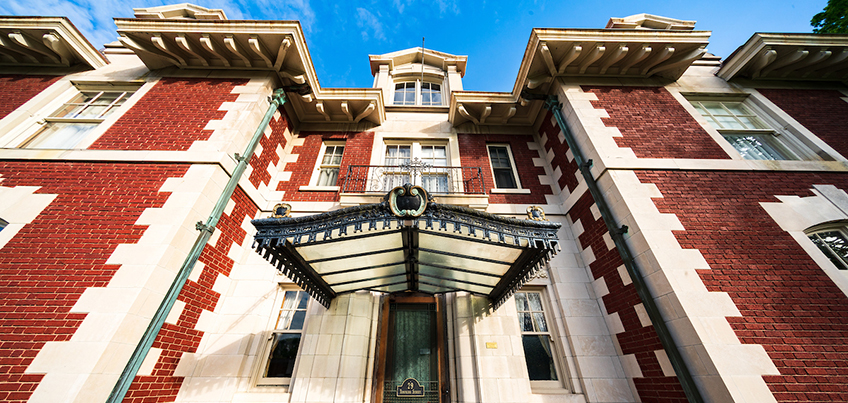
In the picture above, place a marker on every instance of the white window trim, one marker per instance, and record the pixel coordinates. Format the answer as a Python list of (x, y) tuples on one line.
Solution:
[(495, 189), (23, 131), (264, 350), (793, 140), (316, 170), (557, 352), (793, 215)]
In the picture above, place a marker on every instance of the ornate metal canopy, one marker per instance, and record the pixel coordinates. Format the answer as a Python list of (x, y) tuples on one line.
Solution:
[(407, 242)]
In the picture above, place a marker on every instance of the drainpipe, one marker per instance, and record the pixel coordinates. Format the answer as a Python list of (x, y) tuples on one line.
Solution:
[(617, 234), (277, 99)]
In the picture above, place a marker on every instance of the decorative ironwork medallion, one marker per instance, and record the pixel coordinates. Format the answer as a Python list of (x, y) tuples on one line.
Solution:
[(282, 210), (536, 213), (407, 200), (410, 388)]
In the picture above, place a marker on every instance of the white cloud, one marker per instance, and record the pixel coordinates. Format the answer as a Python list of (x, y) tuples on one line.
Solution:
[(369, 22)]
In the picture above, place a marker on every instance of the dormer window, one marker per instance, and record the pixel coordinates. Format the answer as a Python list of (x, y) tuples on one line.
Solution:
[(411, 93)]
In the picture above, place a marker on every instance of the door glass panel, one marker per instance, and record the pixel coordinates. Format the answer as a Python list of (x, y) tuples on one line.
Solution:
[(412, 352)]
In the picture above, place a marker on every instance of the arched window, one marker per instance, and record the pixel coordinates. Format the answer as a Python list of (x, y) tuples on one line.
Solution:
[(3, 224), (832, 240)]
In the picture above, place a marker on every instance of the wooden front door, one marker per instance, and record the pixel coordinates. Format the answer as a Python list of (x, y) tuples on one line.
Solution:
[(411, 350)]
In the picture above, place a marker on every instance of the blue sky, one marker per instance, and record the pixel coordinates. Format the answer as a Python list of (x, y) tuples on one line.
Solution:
[(493, 34)]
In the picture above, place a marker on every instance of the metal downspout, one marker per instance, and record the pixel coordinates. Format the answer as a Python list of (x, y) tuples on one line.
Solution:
[(689, 388), (122, 386)]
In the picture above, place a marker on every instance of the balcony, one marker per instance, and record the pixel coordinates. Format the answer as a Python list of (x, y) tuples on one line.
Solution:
[(450, 185)]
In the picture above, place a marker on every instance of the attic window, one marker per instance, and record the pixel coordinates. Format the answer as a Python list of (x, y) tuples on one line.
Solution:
[(412, 93)]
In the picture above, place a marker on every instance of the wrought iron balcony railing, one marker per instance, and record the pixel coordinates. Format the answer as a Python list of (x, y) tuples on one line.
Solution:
[(435, 179)]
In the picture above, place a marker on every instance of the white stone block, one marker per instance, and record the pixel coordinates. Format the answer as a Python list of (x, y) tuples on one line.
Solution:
[(149, 362), (625, 276), (592, 345), (586, 326), (644, 319), (614, 323), (610, 390), (175, 313), (631, 366), (600, 287)]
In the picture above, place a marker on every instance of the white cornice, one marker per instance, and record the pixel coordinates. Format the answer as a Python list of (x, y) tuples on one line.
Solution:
[(277, 46), (440, 60), (45, 42), (553, 53), (813, 57)]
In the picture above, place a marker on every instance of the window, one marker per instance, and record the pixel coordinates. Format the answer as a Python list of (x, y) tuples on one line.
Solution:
[(3, 224), (284, 341), (833, 242), (66, 127), (418, 163), (431, 94), (503, 165), (406, 93), (536, 339), (749, 133), (328, 169)]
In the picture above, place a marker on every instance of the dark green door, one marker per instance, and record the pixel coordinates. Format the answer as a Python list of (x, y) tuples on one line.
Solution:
[(412, 357)]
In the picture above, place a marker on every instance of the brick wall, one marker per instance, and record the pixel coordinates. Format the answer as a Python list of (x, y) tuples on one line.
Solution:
[(474, 153), (822, 112), (171, 116), (788, 304), (653, 124), (269, 155), (357, 152), (569, 169), (182, 337), (16, 89), (50, 262), (641, 341)]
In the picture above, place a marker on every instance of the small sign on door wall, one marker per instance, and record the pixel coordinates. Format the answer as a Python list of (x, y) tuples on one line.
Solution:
[(410, 388)]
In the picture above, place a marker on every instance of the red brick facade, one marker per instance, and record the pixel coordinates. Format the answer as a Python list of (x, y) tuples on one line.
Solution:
[(171, 116), (269, 155), (654, 124), (641, 341), (788, 304), (569, 169), (357, 152), (823, 112), (16, 90), (48, 264), (182, 337), (473, 152)]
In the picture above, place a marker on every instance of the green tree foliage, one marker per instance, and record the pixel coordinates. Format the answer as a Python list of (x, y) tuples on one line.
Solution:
[(833, 19)]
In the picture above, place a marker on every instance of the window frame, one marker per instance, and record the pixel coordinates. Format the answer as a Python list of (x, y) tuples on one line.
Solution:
[(416, 152), (813, 233), (319, 165), (556, 351), (418, 87), (773, 134), (495, 189), (263, 360), (114, 109)]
